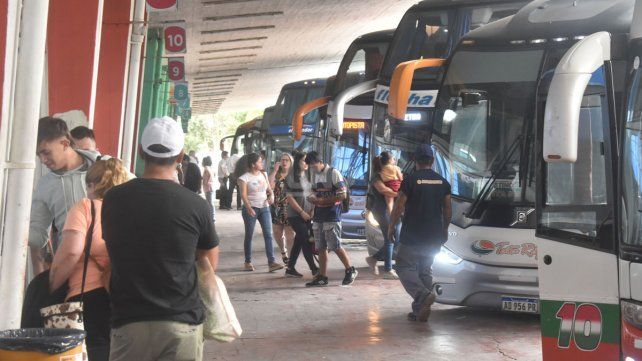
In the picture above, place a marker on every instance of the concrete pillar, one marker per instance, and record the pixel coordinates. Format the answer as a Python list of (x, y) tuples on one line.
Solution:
[(73, 49)]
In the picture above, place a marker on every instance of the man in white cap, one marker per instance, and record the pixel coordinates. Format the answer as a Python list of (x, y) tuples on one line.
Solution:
[(154, 229)]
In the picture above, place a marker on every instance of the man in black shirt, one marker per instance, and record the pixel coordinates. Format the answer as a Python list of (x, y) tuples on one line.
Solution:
[(154, 230), (424, 200)]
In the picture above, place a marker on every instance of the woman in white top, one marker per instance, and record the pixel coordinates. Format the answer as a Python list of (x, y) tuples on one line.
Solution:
[(257, 196)]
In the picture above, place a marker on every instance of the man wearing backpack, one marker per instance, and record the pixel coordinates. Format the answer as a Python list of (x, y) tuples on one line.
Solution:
[(329, 192)]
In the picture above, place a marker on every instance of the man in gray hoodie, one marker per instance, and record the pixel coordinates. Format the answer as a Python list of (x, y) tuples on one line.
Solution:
[(58, 190)]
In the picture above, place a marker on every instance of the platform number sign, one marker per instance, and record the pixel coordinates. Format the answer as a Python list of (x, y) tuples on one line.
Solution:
[(175, 39), (161, 5), (180, 92), (176, 69), (582, 323)]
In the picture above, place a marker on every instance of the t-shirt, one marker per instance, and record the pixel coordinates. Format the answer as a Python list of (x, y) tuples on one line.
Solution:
[(422, 222), (152, 229), (389, 172), (326, 185), (257, 187), (299, 191), (79, 219)]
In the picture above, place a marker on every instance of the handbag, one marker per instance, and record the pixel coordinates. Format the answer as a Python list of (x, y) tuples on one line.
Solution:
[(70, 314), (218, 193), (220, 323)]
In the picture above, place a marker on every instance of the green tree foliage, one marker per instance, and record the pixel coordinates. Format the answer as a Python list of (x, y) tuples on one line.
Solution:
[(206, 131)]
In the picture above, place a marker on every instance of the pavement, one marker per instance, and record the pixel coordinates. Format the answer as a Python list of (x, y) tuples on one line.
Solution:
[(284, 320)]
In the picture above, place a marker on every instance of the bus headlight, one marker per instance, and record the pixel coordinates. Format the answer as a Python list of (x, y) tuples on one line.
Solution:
[(632, 313), (447, 256), (371, 219)]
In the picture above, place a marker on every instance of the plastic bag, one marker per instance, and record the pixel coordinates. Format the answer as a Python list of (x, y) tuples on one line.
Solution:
[(50, 341), (220, 323)]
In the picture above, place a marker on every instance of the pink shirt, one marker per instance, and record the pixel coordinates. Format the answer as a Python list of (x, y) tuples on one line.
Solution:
[(207, 180), (79, 219)]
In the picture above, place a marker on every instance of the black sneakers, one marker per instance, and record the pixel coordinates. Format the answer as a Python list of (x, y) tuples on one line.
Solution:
[(318, 281), (351, 274), (291, 272)]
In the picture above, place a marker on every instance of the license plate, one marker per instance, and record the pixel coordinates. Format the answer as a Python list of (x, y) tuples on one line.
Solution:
[(520, 304)]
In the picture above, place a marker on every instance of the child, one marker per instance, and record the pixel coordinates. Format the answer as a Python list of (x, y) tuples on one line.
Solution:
[(390, 175)]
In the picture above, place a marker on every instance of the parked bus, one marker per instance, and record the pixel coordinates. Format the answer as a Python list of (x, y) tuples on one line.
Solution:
[(279, 126), (488, 116), (346, 132), (590, 201), (430, 29)]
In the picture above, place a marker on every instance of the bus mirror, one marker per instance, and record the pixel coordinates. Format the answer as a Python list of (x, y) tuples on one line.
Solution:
[(302, 111), (336, 109), (469, 98), (401, 83), (564, 100)]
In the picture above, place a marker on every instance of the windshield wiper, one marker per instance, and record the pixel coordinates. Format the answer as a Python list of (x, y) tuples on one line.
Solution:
[(474, 210)]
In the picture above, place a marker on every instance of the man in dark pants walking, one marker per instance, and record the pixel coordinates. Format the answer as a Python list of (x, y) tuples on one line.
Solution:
[(424, 199)]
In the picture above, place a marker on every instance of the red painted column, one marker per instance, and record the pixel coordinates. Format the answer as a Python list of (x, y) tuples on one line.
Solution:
[(112, 75), (71, 47)]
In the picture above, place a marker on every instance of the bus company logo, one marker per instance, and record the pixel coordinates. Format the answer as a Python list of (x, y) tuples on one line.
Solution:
[(482, 247), (485, 247), (417, 98)]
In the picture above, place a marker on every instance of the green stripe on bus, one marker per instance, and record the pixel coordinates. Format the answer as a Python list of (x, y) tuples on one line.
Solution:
[(610, 314)]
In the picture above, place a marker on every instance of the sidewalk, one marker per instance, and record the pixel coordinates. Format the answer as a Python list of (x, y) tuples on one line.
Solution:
[(284, 320)]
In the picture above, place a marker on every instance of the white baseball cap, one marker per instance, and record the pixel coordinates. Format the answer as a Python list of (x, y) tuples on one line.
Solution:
[(164, 136)]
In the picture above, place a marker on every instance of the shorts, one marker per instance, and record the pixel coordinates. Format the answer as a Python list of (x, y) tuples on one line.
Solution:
[(327, 235), (394, 184)]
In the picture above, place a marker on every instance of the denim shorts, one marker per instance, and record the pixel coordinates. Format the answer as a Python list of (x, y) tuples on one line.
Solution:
[(327, 235)]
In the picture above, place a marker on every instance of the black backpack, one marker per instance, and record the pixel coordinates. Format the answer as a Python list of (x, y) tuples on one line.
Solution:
[(345, 204)]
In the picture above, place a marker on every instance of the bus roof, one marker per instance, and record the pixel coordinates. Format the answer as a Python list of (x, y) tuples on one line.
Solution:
[(550, 19), (318, 82), (440, 4), (375, 37)]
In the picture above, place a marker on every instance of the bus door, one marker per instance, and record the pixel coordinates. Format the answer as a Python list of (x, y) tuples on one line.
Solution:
[(577, 251)]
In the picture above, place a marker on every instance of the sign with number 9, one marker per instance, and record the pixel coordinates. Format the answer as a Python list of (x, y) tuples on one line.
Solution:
[(176, 69), (175, 39), (161, 5)]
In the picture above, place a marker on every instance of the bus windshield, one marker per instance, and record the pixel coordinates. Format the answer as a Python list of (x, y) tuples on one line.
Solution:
[(291, 99), (485, 112), (632, 166), (360, 64), (434, 34), (350, 154)]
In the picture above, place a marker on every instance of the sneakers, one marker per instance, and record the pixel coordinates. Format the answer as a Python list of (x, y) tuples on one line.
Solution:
[(372, 263), (291, 272), (318, 281), (275, 266), (351, 274), (390, 275), (411, 317), (424, 311), (248, 267)]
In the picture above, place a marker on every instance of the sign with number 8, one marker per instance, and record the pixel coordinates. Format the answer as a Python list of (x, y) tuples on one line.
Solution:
[(176, 69), (175, 39), (582, 324)]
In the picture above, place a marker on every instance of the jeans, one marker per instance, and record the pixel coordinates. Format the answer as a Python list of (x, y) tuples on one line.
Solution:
[(301, 242), (230, 193), (265, 219), (223, 192), (385, 253), (210, 201), (414, 267)]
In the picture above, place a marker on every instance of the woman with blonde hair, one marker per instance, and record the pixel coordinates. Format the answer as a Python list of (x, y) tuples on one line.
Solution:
[(283, 232), (68, 261)]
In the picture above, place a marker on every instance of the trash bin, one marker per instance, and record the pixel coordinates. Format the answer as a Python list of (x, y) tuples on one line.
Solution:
[(41, 344)]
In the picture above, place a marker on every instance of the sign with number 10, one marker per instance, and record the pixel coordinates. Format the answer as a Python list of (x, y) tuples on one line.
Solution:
[(176, 69), (161, 5), (175, 39)]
